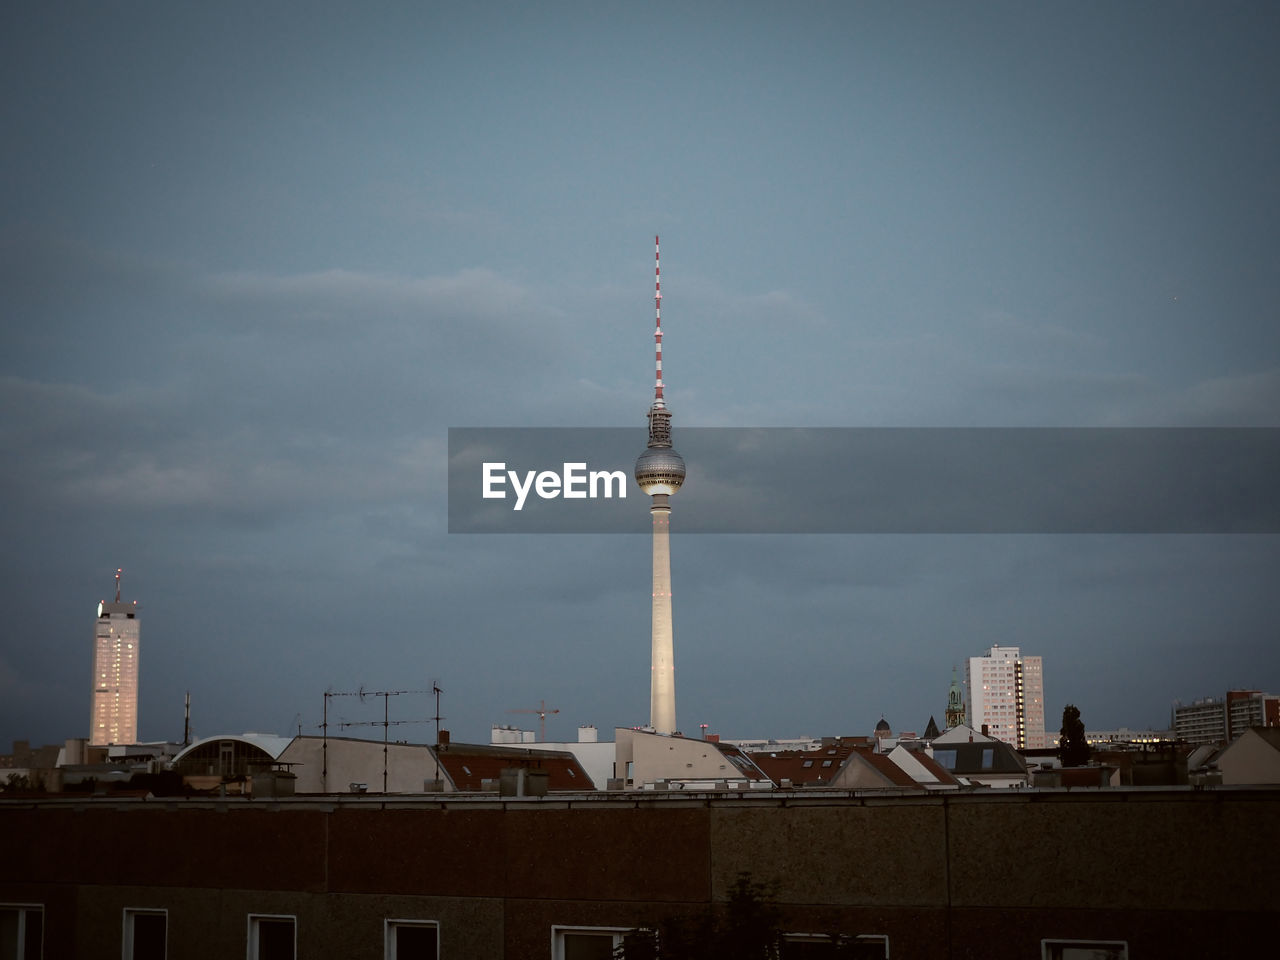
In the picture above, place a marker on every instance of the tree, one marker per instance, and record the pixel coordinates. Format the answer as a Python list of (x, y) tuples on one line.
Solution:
[(1073, 748), (751, 924), (745, 928)]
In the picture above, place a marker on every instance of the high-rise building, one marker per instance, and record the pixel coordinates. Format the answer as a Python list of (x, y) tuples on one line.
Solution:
[(1250, 708), (1201, 721), (1006, 696), (660, 472), (116, 649), (1222, 719)]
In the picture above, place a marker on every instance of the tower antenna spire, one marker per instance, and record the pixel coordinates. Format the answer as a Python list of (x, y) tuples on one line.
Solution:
[(657, 326), (118, 572)]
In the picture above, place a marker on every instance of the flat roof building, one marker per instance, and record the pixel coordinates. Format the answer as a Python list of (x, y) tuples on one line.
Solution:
[(1226, 718)]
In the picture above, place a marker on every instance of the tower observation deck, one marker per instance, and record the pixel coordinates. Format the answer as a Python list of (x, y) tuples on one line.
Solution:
[(660, 472)]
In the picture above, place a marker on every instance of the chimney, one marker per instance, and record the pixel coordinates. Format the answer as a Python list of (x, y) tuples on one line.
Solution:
[(443, 739)]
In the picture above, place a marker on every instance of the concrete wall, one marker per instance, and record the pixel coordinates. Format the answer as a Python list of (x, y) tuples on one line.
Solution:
[(360, 761), (1173, 873), (656, 757)]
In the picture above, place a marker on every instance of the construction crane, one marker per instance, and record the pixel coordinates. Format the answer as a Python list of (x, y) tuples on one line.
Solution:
[(542, 712)]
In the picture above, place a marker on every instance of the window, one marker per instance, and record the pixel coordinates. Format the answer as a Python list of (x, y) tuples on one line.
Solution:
[(585, 943), (412, 940), (272, 937), (145, 934), (1084, 950), (816, 946), (21, 931)]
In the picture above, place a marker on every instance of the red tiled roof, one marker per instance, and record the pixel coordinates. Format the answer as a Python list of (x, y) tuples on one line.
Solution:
[(789, 765), (804, 767), (934, 767), (818, 767), (887, 768), (469, 765)]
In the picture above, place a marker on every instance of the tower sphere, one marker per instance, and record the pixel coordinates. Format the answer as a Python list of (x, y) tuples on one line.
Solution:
[(659, 470)]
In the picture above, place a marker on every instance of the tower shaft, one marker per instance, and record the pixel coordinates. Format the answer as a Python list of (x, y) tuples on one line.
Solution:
[(660, 472), (662, 684)]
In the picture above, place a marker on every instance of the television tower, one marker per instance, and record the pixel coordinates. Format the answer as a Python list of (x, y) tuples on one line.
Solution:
[(660, 472)]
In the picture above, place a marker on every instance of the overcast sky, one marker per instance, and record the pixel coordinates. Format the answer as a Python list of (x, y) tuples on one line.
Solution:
[(256, 259)]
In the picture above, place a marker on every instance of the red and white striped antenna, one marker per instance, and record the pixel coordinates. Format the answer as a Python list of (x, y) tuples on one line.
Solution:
[(657, 333)]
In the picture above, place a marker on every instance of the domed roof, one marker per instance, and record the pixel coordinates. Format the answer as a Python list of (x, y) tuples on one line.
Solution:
[(659, 470), (883, 727)]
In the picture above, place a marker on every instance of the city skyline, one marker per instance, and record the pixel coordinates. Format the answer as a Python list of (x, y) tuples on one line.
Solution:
[(256, 265)]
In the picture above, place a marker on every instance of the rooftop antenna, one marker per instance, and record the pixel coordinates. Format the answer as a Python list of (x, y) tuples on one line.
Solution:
[(186, 722), (120, 571), (324, 737), (435, 688), (385, 723)]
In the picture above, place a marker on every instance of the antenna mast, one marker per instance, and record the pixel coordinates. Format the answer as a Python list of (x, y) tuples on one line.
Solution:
[(120, 571), (385, 723), (659, 415), (435, 688), (657, 316)]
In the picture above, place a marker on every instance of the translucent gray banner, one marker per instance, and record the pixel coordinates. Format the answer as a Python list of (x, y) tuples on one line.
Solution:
[(872, 480)]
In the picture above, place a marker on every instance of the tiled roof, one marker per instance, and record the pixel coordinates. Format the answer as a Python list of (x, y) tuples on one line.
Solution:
[(975, 759), (934, 767), (887, 768), (743, 762), (469, 765), (813, 768), (805, 767)]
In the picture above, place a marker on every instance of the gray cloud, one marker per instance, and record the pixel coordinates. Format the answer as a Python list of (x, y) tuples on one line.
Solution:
[(247, 286)]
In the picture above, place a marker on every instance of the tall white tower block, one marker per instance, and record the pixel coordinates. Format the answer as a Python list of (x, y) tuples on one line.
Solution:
[(660, 472), (1006, 695), (116, 649)]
